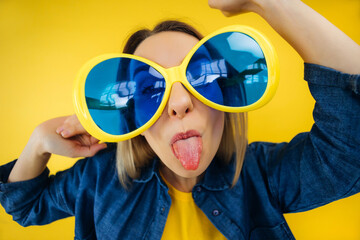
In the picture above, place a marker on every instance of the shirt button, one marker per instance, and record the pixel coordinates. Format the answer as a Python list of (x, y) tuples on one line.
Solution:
[(162, 209), (198, 189), (215, 212)]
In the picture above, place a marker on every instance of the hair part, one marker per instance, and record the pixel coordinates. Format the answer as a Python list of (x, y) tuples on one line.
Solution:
[(136, 153)]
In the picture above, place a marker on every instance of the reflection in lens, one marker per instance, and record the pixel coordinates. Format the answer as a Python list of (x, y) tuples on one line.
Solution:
[(149, 91), (115, 94), (229, 69)]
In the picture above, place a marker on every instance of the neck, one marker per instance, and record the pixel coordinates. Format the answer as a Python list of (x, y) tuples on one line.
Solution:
[(180, 183)]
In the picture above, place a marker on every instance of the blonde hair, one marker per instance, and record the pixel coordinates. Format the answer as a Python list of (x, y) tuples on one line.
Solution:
[(136, 153)]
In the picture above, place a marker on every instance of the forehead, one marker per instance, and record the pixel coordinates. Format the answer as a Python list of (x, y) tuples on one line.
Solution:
[(167, 49)]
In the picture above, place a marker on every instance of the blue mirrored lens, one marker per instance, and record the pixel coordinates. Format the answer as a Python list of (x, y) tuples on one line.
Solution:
[(229, 69), (123, 94)]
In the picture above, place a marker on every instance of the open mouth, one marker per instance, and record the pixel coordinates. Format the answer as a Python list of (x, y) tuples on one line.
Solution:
[(187, 147)]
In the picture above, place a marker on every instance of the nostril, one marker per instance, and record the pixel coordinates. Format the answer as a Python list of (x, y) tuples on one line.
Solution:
[(174, 113), (187, 110)]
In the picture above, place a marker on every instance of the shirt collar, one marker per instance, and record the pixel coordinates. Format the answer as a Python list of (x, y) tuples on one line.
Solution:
[(218, 176)]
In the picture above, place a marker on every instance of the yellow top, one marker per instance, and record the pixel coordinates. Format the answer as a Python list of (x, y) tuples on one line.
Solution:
[(186, 221)]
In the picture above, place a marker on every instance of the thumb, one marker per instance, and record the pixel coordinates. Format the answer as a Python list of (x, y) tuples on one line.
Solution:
[(71, 127), (89, 151), (228, 14)]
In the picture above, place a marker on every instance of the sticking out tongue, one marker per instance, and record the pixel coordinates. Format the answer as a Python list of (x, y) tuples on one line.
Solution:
[(188, 151)]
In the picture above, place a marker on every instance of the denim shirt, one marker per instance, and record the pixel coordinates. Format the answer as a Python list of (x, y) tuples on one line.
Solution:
[(313, 169)]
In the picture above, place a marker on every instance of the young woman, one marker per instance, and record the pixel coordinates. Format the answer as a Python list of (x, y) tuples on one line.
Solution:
[(230, 190)]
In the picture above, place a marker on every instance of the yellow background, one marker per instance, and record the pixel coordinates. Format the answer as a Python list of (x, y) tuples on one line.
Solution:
[(44, 43)]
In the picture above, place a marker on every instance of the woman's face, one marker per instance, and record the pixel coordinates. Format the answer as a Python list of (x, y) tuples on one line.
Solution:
[(187, 135)]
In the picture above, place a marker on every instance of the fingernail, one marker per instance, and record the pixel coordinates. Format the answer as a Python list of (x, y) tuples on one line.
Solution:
[(59, 130), (65, 133)]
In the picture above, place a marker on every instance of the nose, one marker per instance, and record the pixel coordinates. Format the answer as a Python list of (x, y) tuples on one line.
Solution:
[(180, 102)]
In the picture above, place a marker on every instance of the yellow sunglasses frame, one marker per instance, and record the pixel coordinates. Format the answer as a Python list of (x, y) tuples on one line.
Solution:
[(172, 75)]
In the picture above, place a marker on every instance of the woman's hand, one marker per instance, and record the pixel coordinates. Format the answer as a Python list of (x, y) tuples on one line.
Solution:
[(62, 136), (65, 136), (74, 140), (310, 34), (234, 7)]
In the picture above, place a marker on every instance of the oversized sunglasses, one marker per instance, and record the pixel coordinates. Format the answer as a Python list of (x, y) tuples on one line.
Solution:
[(119, 96)]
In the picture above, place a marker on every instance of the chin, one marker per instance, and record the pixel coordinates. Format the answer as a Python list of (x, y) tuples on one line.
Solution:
[(191, 173)]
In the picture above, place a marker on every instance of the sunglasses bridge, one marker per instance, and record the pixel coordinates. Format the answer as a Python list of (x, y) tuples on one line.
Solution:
[(175, 74)]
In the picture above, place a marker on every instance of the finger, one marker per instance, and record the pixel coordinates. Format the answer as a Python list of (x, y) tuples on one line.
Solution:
[(71, 127), (212, 3), (221, 5), (94, 140), (227, 14), (231, 8), (89, 151)]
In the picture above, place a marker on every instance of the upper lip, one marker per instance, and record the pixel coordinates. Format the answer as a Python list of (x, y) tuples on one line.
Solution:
[(184, 135)]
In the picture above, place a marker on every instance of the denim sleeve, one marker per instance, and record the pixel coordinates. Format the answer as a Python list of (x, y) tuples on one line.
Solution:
[(323, 165), (41, 200)]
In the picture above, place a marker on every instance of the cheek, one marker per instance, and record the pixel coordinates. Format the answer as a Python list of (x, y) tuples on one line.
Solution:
[(154, 138), (212, 119), (218, 118), (216, 125), (151, 137)]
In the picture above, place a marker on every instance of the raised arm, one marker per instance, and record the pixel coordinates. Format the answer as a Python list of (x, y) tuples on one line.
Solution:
[(310, 34), (28, 193), (50, 137), (322, 165)]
